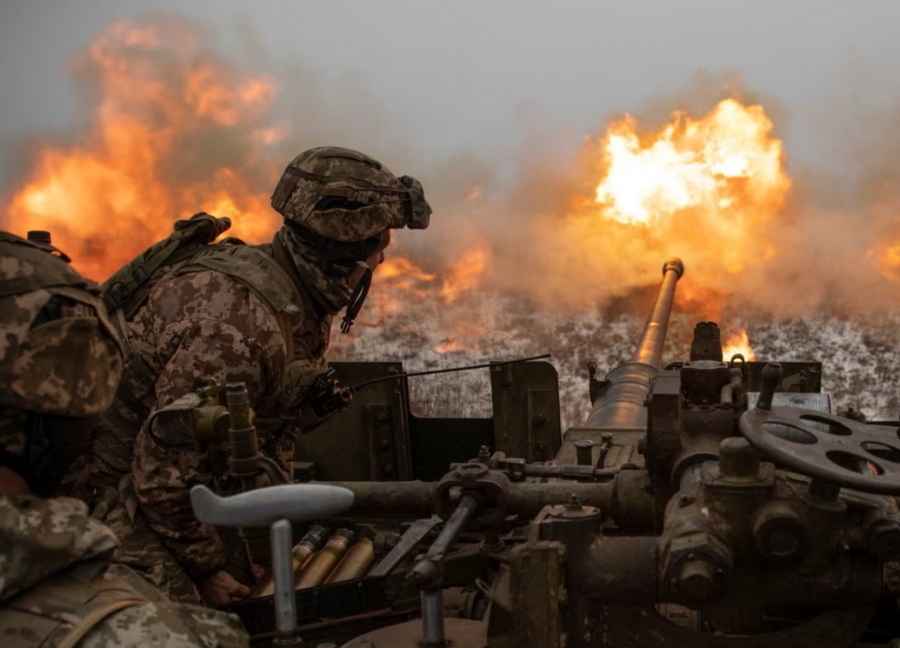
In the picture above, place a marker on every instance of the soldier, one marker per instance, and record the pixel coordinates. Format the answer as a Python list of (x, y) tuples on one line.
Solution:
[(234, 313), (60, 362)]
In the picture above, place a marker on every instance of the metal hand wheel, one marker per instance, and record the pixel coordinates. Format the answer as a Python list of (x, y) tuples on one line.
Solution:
[(826, 447)]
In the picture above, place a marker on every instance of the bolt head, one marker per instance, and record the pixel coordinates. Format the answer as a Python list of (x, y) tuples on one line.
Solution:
[(697, 580)]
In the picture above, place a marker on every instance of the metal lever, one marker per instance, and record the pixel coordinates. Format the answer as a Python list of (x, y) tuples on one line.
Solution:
[(276, 506), (263, 506)]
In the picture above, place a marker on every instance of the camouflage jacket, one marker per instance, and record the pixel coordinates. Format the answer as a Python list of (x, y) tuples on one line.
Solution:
[(57, 590), (197, 327)]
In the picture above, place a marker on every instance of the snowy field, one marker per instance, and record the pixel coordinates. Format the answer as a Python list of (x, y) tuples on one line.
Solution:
[(859, 356)]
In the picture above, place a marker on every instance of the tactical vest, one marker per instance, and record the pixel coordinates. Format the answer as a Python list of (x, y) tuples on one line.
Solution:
[(190, 248), (61, 610)]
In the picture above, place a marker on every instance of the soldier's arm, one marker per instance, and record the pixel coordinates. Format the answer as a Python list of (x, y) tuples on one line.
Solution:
[(165, 464)]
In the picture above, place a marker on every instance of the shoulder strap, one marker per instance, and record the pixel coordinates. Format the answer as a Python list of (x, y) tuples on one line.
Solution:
[(123, 289), (94, 617), (64, 608)]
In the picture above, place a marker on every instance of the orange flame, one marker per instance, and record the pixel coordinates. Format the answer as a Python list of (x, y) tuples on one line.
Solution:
[(690, 163), (704, 189), (464, 275), (738, 343), (449, 346), (887, 259), (144, 162)]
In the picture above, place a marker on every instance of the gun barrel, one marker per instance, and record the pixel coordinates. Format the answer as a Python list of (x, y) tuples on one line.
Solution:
[(621, 405)]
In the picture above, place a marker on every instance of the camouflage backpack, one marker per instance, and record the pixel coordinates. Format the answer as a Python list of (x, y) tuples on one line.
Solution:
[(126, 290), (191, 247)]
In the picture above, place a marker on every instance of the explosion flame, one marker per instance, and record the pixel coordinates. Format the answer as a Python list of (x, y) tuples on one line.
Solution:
[(177, 130), (154, 153), (738, 343)]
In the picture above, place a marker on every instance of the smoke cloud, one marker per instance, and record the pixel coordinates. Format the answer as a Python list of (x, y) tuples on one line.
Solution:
[(169, 125)]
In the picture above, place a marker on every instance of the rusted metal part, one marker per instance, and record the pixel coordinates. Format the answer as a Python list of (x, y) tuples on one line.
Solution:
[(382, 451), (413, 536), (412, 498), (416, 498), (525, 399), (379, 427), (583, 472), (488, 488), (427, 572), (618, 571), (835, 450), (635, 508), (529, 499), (538, 594), (621, 403), (584, 451), (707, 342)]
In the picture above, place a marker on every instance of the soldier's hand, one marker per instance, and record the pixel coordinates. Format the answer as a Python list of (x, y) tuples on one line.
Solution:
[(259, 570), (221, 589)]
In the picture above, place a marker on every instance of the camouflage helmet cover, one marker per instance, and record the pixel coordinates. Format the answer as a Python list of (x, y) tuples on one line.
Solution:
[(365, 197), (66, 363)]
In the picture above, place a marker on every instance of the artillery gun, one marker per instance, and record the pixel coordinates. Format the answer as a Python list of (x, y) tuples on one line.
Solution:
[(702, 503)]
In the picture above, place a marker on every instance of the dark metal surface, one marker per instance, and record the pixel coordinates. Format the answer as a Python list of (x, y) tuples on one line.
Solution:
[(436, 443), (525, 400), (833, 449), (413, 536), (380, 439), (332, 601), (797, 377), (369, 440)]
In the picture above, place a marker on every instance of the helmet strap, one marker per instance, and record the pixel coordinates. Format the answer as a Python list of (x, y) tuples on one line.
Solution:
[(357, 299)]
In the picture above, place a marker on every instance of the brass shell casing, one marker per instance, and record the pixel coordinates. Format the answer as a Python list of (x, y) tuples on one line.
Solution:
[(320, 564), (301, 552), (356, 562)]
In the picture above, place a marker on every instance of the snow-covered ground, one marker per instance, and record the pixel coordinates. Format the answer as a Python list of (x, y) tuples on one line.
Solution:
[(859, 355)]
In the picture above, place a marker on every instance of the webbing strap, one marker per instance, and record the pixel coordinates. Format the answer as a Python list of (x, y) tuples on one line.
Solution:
[(90, 621)]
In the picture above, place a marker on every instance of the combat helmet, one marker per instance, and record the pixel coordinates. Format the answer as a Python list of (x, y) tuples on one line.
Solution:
[(346, 196), (339, 203), (60, 361)]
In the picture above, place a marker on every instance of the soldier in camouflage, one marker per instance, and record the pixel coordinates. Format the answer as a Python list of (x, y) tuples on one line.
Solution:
[(231, 312), (60, 362)]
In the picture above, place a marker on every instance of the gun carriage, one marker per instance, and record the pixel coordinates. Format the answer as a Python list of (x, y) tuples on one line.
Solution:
[(706, 503)]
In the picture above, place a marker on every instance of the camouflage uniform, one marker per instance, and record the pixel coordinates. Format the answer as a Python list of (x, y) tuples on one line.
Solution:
[(60, 361), (256, 314)]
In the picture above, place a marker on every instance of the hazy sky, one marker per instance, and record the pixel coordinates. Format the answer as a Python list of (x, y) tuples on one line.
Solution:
[(479, 75)]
